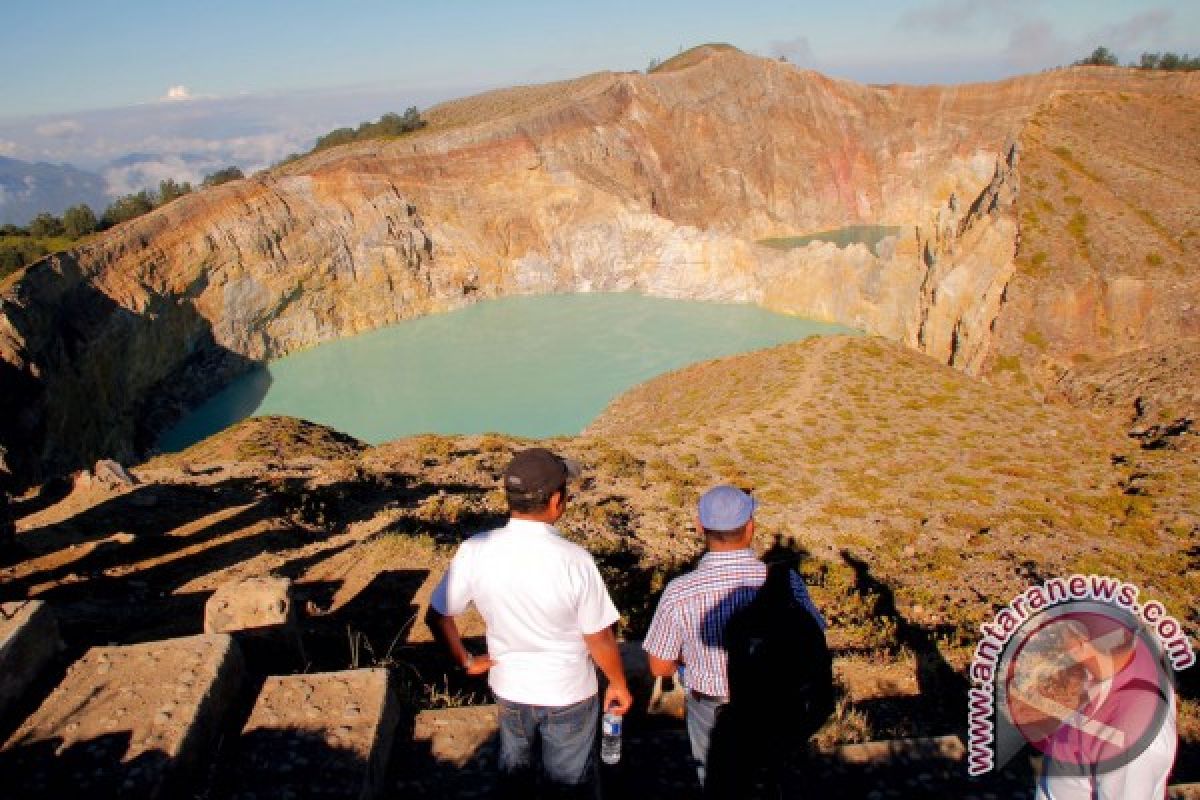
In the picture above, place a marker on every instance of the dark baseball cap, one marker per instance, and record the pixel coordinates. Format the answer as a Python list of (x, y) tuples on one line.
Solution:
[(539, 471)]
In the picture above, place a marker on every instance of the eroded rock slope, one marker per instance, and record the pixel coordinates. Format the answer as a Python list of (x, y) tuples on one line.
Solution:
[(663, 183)]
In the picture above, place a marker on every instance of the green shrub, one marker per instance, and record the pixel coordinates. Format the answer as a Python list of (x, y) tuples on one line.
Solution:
[(1100, 57), (1008, 363), (1077, 227), (389, 124), (222, 176)]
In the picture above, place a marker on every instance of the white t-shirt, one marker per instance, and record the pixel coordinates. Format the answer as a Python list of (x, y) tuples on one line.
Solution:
[(1143, 778), (538, 595)]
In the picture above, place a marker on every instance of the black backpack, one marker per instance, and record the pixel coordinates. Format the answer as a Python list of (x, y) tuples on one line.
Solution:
[(780, 669)]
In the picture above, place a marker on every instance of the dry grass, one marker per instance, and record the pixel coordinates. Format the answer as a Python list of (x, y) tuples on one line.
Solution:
[(693, 56), (920, 500), (951, 468), (512, 102), (1110, 190)]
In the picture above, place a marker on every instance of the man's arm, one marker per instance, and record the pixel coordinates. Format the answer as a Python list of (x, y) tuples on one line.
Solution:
[(603, 646), (660, 667), (663, 639), (445, 630)]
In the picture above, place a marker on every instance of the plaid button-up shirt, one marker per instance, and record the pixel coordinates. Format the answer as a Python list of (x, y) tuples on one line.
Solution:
[(689, 623)]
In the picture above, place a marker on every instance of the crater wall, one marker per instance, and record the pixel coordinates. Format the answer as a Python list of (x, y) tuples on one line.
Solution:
[(661, 183)]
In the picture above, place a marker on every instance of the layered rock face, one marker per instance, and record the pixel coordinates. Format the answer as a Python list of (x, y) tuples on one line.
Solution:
[(660, 183), (1109, 215)]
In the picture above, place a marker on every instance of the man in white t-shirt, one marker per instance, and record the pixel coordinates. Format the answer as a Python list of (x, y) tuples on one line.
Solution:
[(549, 624)]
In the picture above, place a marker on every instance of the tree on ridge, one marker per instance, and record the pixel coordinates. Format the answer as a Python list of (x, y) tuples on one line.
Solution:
[(1100, 57), (79, 221)]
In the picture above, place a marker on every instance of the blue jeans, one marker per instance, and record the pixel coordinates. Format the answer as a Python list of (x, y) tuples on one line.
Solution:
[(567, 739), (701, 717)]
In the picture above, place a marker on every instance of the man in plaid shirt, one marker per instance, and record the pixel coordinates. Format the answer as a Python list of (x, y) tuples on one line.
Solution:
[(688, 630)]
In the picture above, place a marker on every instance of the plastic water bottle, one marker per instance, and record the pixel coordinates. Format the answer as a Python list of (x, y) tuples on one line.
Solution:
[(610, 738)]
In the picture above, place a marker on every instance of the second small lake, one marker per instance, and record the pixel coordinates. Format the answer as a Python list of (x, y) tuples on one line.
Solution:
[(870, 235)]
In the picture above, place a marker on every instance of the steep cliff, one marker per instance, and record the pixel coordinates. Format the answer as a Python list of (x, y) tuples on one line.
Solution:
[(1110, 232), (662, 183)]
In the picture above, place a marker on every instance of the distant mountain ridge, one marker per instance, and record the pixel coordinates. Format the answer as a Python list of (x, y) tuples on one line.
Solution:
[(29, 188)]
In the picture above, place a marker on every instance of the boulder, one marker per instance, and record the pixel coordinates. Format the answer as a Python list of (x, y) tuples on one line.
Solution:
[(251, 605), (109, 473)]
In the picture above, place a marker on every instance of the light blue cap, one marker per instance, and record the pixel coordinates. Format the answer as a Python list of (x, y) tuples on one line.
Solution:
[(726, 508)]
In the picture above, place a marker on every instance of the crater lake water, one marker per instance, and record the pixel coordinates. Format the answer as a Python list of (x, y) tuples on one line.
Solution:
[(870, 235), (529, 366)]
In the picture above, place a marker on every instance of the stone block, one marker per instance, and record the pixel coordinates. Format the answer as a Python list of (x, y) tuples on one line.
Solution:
[(324, 735), (901, 751), (131, 721), (252, 605), (456, 735), (29, 641)]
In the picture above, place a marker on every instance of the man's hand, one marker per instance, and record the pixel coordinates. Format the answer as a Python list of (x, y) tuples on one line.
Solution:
[(480, 665), (617, 699), (445, 630), (603, 646), (660, 667)]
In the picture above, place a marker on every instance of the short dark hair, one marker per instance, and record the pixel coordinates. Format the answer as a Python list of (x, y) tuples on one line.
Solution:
[(531, 502), (725, 536)]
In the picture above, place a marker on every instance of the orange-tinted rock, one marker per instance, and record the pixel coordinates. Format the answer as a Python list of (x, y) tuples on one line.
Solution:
[(661, 183)]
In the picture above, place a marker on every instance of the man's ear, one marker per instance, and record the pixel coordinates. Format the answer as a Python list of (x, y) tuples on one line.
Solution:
[(699, 527)]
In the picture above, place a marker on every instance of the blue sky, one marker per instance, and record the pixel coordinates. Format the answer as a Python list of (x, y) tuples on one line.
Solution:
[(193, 83), (70, 55)]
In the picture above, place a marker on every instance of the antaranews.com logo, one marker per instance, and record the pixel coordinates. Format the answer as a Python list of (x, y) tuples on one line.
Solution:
[(1080, 670)]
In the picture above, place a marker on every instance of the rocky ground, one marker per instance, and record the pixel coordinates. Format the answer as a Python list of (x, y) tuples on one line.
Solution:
[(915, 500)]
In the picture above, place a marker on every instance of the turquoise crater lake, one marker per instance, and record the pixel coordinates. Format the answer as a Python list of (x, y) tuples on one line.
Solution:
[(529, 366)]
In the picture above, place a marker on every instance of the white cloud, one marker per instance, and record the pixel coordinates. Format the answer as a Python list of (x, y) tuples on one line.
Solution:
[(1148, 27), (59, 128), (1036, 44), (147, 174), (179, 92), (186, 140), (798, 51)]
